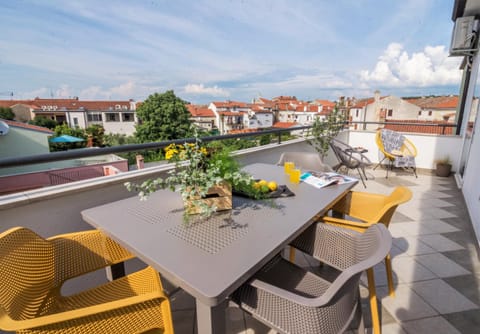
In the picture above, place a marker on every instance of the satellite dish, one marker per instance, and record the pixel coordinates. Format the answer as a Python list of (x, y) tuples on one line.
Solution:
[(4, 128)]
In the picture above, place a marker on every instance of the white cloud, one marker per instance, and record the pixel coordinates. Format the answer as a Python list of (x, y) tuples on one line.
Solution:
[(431, 67), (201, 89)]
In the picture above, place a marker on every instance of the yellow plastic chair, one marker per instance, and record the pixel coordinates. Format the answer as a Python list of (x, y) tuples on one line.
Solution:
[(397, 148), (33, 269), (368, 209)]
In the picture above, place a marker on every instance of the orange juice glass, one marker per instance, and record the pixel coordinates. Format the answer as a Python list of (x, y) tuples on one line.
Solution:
[(295, 175), (288, 166)]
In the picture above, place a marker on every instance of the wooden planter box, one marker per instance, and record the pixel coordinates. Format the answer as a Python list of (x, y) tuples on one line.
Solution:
[(219, 196)]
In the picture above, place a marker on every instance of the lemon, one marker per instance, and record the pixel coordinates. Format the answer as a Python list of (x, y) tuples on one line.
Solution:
[(262, 183), (272, 185)]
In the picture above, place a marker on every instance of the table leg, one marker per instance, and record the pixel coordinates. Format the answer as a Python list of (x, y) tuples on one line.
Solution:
[(211, 319)]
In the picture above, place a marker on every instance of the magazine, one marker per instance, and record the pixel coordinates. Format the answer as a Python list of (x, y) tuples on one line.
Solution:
[(323, 179)]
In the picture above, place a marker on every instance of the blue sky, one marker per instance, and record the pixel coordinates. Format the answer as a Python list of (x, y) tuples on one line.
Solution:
[(215, 50)]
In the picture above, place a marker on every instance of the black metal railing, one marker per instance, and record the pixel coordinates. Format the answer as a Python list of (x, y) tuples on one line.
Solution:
[(89, 152)]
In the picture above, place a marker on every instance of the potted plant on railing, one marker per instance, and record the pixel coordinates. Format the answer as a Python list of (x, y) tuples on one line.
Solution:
[(324, 130), (204, 177), (443, 166)]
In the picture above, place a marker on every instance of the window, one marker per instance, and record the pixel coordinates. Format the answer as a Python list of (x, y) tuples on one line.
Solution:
[(75, 121), (429, 113), (127, 117), (390, 113), (94, 117), (112, 117), (356, 113), (419, 113)]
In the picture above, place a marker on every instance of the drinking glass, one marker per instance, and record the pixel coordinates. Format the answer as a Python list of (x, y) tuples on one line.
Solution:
[(295, 175), (288, 166)]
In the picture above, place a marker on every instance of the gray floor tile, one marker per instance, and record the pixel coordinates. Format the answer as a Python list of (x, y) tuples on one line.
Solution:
[(437, 325), (466, 322), (407, 305), (439, 242), (412, 246), (441, 266), (406, 269), (439, 226), (392, 329), (442, 297)]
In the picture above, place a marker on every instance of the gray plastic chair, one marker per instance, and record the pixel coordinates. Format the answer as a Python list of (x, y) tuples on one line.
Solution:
[(351, 158), (291, 299), (305, 160)]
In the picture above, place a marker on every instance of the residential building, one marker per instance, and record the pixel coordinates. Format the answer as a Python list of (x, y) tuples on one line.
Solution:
[(258, 117), (202, 117), (438, 108), (117, 117), (380, 109)]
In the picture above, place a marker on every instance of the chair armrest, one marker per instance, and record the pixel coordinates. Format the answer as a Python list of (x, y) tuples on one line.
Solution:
[(10, 324), (355, 226), (361, 205), (83, 252)]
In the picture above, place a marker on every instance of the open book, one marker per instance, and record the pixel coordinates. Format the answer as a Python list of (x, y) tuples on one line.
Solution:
[(323, 179)]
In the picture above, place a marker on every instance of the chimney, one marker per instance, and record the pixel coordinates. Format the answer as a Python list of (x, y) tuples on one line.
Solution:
[(140, 162), (377, 95), (90, 141)]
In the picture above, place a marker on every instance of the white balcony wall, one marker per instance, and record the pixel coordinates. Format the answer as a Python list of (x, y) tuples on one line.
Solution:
[(55, 210), (429, 147)]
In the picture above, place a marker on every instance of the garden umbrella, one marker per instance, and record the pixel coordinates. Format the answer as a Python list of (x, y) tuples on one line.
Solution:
[(66, 139)]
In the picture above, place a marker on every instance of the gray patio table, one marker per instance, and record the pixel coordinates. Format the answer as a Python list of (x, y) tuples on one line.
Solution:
[(211, 258)]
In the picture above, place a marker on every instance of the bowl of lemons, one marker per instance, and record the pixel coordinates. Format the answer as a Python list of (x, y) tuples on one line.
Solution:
[(263, 189)]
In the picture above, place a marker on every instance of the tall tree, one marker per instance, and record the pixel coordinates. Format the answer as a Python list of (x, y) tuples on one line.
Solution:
[(162, 117), (45, 122), (7, 113)]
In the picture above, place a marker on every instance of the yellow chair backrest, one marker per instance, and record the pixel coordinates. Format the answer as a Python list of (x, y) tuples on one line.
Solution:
[(26, 272), (373, 208), (407, 147)]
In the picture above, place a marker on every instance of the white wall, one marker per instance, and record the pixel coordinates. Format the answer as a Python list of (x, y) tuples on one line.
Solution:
[(471, 181), (126, 128), (429, 147)]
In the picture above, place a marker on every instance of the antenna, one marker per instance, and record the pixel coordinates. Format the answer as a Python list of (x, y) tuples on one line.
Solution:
[(4, 128)]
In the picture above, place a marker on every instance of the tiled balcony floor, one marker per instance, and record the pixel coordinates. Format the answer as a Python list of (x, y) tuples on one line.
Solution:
[(435, 262)]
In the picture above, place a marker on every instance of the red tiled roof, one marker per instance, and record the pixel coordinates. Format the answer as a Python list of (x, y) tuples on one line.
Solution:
[(325, 103), (243, 130), (10, 103), (28, 126), (307, 108), (434, 129), (284, 125), (435, 102), (230, 104), (67, 104), (200, 111), (231, 113), (363, 102)]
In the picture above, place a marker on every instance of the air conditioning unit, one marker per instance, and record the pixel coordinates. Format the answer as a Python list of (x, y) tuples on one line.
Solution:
[(464, 36)]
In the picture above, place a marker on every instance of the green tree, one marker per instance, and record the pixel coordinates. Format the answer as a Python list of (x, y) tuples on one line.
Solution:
[(7, 113), (162, 117), (44, 121), (97, 132), (323, 131)]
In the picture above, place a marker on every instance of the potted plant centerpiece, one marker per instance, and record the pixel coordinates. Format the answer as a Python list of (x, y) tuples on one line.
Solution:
[(444, 166), (204, 177)]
